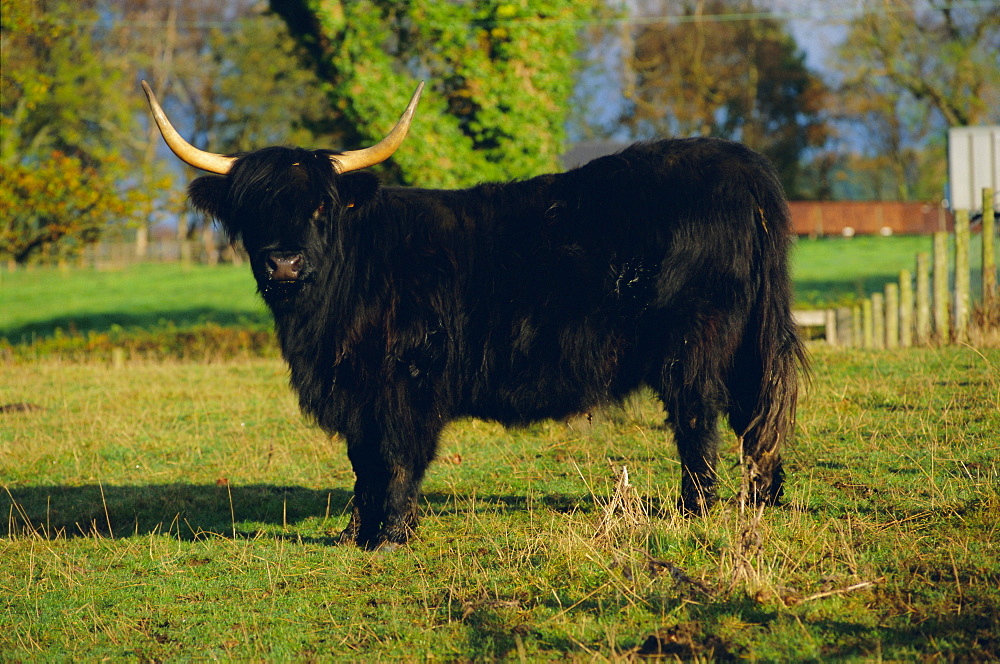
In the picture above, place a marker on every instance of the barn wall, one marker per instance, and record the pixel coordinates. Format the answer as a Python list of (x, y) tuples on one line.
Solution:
[(817, 218)]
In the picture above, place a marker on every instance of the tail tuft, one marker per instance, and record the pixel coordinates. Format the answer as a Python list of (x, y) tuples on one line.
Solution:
[(764, 382)]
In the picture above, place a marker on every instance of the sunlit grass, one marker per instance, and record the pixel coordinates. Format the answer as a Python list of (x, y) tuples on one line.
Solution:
[(833, 271), (186, 510), (35, 302)]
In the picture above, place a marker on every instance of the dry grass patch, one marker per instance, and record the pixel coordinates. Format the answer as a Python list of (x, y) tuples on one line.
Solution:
[(184, 510)]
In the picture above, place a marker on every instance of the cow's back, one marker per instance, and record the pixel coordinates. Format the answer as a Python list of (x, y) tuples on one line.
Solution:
[(578, 287)]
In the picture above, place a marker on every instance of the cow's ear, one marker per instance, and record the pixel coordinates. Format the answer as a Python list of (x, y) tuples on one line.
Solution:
[(357, 188), (208, 194)]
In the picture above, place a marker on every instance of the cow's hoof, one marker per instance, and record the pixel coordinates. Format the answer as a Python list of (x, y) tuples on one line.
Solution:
[(346, 537), (696, 506)]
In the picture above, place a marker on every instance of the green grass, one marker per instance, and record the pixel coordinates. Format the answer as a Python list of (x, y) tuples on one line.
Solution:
[(42, 303), (186, 510), (834, 271), (182, 510), (35, 303)]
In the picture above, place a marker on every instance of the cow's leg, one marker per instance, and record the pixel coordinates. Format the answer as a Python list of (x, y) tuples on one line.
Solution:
[(389, 470), (761, 439), (370, 484), (690, 391), (762, 412), (694, 423), (401, 502), (349, 535)]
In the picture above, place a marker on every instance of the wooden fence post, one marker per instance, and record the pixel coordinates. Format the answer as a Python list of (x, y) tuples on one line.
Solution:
[(962, 308), (989, 255), (185, 246), (923, 298), (845, 329), (878, 320), (941, 302), (856, 326), (830, 323), (892, 315), (905, 309), (868, 323)]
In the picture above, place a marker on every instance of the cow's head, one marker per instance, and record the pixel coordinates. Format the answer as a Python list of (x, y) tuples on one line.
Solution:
[(280, 202)]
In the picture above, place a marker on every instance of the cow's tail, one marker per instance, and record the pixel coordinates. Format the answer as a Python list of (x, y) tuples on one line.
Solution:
[(764, 381)]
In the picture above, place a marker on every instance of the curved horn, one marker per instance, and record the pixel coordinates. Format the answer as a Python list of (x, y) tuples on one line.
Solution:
[(189, 154), (354, 160)]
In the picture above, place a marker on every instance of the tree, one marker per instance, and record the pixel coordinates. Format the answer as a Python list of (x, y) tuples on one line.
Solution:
[(699, 73), (254, 90), (911, 70), (941, 53), (247, 89), (228, 70), (499, 76), (64, 111), (59, 204), (228, 74)]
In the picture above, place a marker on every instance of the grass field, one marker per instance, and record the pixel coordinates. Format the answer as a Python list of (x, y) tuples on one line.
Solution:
[(35, 304), (180, 510), (186, 510), (842, 271)]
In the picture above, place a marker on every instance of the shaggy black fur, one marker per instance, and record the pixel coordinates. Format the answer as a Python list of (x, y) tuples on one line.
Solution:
[(399, 310)]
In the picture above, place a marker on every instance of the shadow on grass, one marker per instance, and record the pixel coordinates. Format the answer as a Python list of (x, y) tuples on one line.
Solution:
[(189, 511), (968, 635), (185, 510), (193, 511), (841, 292), (112, 321)]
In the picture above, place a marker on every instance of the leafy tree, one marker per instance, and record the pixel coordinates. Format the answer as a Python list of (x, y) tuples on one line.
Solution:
[(499, 76), (248, 89), (911, 70), (60, 204), (252, 90), (227, 72), (64, 112), (940, 53), (229, 76), (745, 80)]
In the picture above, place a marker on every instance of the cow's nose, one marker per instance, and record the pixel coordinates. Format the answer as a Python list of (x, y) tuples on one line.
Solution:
[(283, 266)]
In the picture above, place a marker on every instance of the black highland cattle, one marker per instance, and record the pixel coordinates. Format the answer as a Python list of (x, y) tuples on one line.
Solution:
[(401, 309)]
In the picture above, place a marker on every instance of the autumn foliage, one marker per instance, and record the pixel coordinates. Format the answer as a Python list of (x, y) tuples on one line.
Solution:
[(67, 171), (57, 206)]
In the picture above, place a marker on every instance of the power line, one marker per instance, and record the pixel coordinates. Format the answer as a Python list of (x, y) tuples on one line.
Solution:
[(842, 14), (814, 14)]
